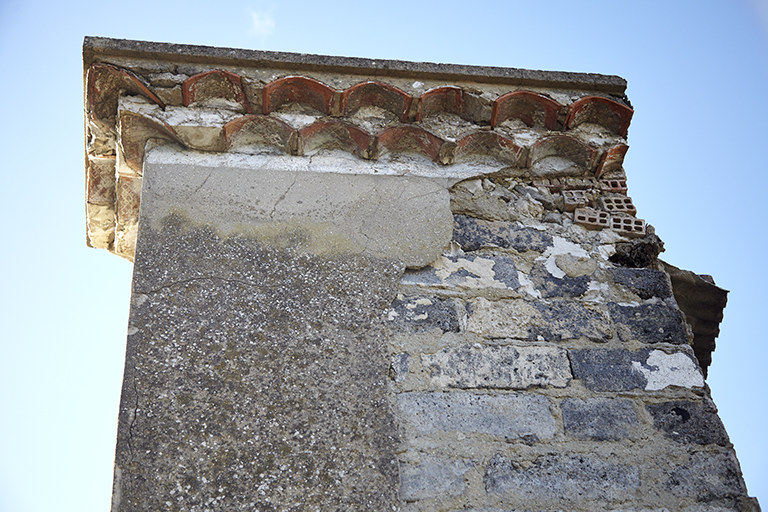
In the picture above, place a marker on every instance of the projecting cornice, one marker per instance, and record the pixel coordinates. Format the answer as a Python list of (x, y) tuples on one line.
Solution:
[(386, 117)]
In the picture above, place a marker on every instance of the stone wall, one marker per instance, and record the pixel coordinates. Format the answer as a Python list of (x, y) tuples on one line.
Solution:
[(377, 286)]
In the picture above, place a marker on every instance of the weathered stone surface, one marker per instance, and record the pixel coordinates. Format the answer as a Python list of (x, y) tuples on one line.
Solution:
[(646, 283), (433, 477), (598, 418), (530, 321), (649, 323), (689, 422), (550, 286), (382, 216), (473, 234), (707, 477), (420, 313), (561, 479), (501, 367), (622, 370), (469, 271), (519, 416), (399, 368)]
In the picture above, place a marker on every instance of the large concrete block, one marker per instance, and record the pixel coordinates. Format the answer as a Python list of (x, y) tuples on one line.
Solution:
[(511, 417), (500, 367), (531, 321)]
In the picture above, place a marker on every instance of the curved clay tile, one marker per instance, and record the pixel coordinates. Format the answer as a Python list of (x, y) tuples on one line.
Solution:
[(595, 109), (410, 139), (259, 129), (564, 147), (612, 159), (297, 89), (333, 134), (215, 84), (135, 130), (529, 107), (442, 99), (104, 83), (488, 143), (376, 94)]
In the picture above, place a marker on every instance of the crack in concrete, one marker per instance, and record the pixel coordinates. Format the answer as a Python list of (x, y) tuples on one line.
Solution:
[(200, 186), (280, 199)]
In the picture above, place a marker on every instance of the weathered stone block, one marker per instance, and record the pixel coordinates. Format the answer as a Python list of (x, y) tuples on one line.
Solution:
[(561, 479), (598, 418), (689, 422), (530, 321), (467, 271), (433, 477), (649, 323), (510, 416), (645, 282), (421, 313), (708, 477), (621, 370), (551, 286), (502, 367), (400, 367), (473, 234)]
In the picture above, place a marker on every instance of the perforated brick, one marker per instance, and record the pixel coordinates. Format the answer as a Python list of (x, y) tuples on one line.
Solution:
[(628, 226), (591, 219), (614, 186), (553, 184), (618, 205), (573, 199)]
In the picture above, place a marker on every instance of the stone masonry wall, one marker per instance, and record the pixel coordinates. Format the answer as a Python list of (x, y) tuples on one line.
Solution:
[(530, 372), (376, 285)]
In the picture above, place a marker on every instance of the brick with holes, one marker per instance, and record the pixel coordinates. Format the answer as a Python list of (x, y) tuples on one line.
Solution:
[(591, 219), (618, 205), (628, 226)]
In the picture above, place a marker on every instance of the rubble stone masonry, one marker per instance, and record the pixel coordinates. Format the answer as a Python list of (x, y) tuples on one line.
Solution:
[(379, 286)]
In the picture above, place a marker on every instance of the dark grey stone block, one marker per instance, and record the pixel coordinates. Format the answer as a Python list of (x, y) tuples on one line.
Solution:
[(568, 320), (561, 479), (645, 282), (473, 234), (600, 419), (689, 422), (649, 323), (503, 272), (422, 313), (708, 477), (551, 286), (607, 369)]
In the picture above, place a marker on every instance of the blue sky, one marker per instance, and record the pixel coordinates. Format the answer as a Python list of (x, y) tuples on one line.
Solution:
[(697, 73)]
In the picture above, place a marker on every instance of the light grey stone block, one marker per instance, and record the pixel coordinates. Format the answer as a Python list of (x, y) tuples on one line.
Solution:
[(511, 416), (501, 367), (433, 477), (598, 418)]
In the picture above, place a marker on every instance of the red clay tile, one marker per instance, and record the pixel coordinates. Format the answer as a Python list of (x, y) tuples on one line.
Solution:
[(135, 130), (565, 147), (599, 110), (334, 134), (531, 108), (490, 144), (376, 94), (612, 159), (128, 199), (260, 129), (297, 89), (213, 84), (100, 188), (104, 83), (442, 99), (591, 219), (410, 139)]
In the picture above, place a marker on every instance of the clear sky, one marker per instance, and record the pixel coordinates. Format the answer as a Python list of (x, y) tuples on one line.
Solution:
[(698, 78)]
